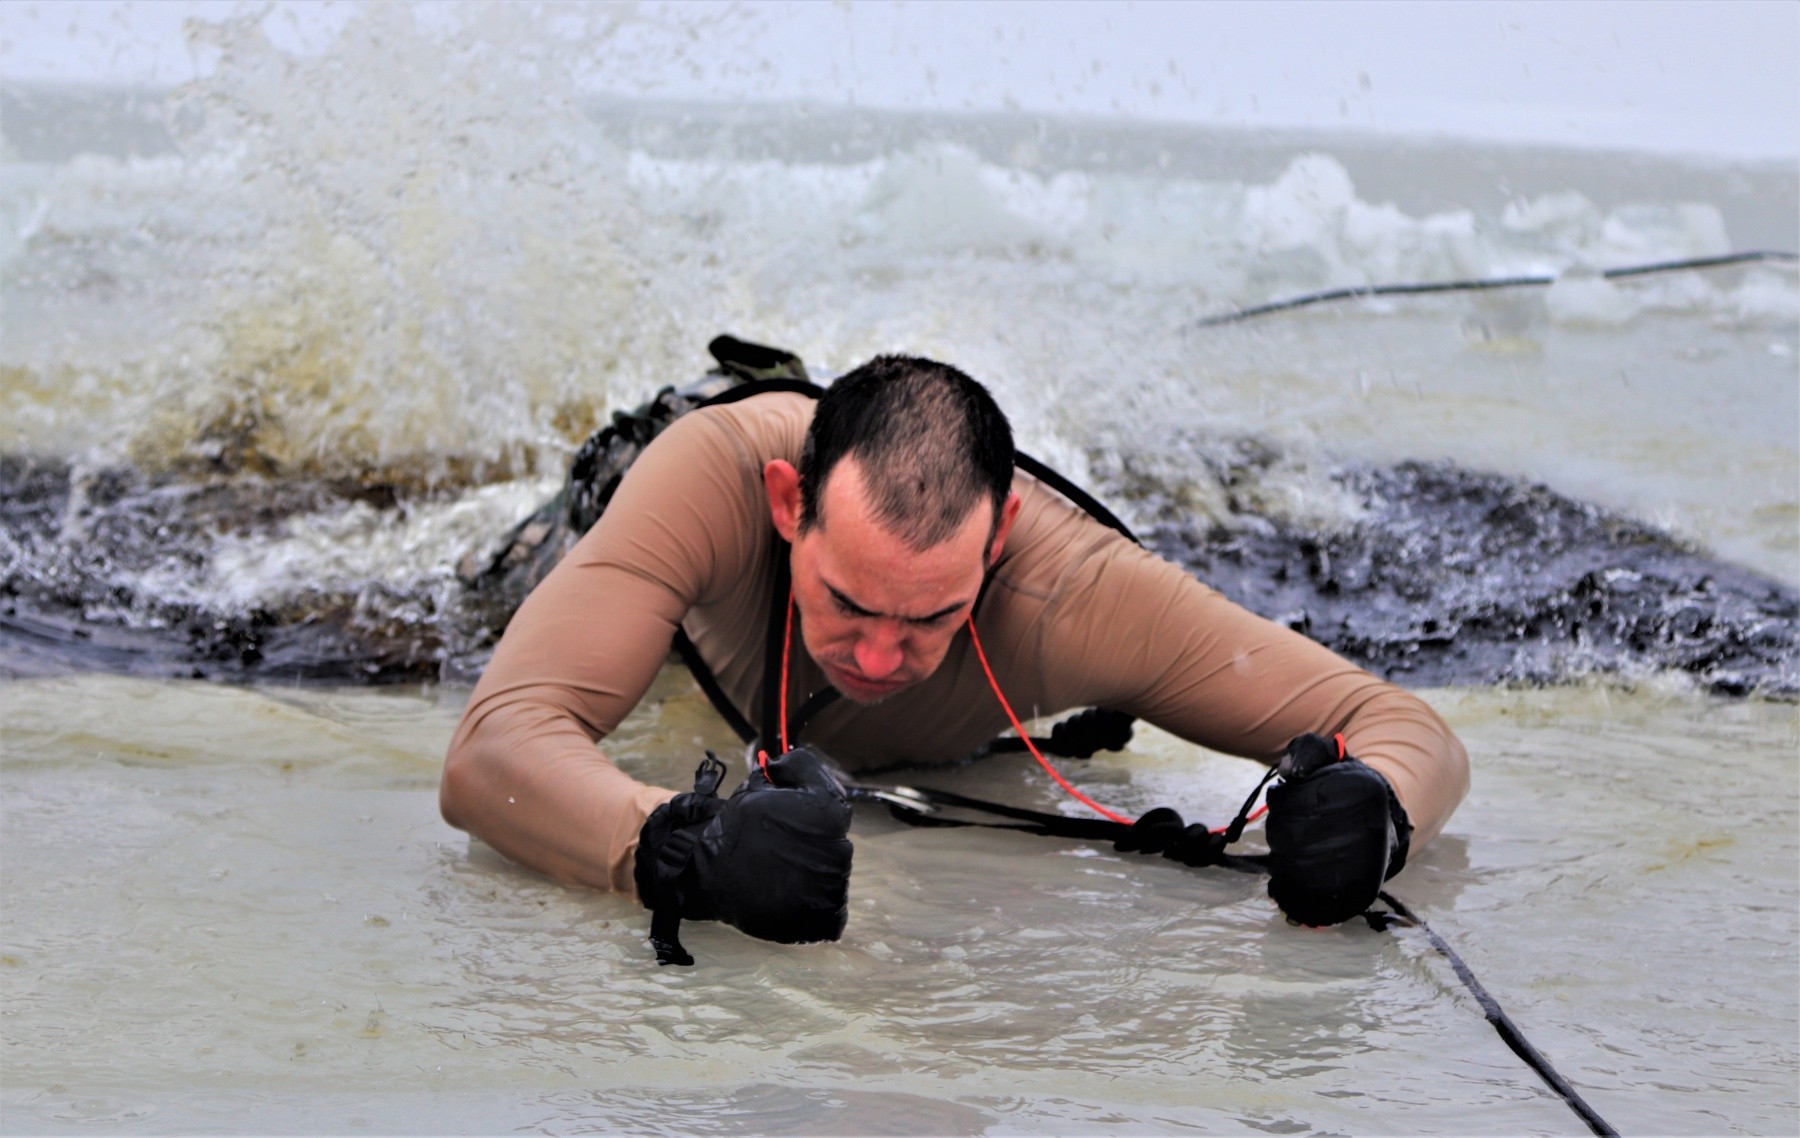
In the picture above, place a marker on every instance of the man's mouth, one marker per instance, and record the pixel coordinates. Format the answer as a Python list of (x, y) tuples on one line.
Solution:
[(862, 689)]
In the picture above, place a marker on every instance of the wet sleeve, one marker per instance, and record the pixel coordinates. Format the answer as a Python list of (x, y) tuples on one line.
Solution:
[(523, 772), (1142, 635)]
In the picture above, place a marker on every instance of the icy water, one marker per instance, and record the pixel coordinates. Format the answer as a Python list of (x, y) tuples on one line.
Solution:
[(237, 910), (279, 348)]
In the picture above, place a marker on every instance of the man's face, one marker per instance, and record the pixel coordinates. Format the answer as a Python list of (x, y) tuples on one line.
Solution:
[(876, 615)]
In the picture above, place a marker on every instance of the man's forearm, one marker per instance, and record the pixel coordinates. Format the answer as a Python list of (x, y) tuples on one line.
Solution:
[(548, 799), (1403, 739)]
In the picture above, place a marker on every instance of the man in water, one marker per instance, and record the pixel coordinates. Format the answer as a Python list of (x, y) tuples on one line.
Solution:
[(891, 514)]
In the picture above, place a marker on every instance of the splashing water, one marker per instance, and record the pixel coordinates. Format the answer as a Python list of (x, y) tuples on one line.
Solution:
[(428, 259), (425, 255)]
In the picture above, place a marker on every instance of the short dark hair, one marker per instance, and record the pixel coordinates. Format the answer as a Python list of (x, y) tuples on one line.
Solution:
[(931, 443)]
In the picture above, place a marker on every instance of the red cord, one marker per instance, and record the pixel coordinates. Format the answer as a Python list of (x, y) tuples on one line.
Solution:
[(787, 649), (1029, 745)]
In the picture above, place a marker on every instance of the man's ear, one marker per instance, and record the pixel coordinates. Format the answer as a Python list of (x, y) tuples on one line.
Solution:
[(1009, 513), (782, 484)]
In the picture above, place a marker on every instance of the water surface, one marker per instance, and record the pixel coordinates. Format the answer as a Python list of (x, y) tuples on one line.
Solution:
[(237, 910)]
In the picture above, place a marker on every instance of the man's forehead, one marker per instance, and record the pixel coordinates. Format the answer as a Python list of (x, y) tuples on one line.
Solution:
[(877, 570), (846, 488)]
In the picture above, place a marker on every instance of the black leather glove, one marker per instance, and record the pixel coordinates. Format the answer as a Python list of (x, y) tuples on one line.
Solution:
[(1336, 832), (772, 860)]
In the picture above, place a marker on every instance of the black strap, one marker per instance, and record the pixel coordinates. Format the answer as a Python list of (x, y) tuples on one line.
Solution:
[(709, 684), (752, 387), (770, 734), (669, 874), (745, 360), (815, 703), (1193, 845), (1490, 1008), (1054, 479), (665, 919)]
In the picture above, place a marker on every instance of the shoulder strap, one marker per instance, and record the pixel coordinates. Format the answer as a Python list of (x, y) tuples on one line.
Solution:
[(1054, 479), (751, 387), (709, 684), (684, 647)]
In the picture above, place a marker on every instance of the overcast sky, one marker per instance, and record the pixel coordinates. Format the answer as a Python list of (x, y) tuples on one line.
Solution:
[(1717, 78)]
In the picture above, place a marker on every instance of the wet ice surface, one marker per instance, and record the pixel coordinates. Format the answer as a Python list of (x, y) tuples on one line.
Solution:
[(1451, 577), (1422, 571), (237, 909)]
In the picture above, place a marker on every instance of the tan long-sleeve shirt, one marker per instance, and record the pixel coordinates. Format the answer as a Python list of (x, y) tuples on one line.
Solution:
[(1073, 615)]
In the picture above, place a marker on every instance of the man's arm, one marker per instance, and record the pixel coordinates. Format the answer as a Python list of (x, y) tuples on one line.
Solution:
[(1161, 645), (523, 772)]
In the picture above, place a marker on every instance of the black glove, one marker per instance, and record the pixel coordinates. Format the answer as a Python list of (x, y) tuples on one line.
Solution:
[(1336, 832), (772, 860)]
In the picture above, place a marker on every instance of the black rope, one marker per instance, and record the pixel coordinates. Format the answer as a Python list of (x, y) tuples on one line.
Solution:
[(917, 806), (1699, 263), (1306, 300), (1490, 1007)]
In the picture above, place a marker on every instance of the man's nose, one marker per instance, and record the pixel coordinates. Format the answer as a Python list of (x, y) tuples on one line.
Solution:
[(879, 653)]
